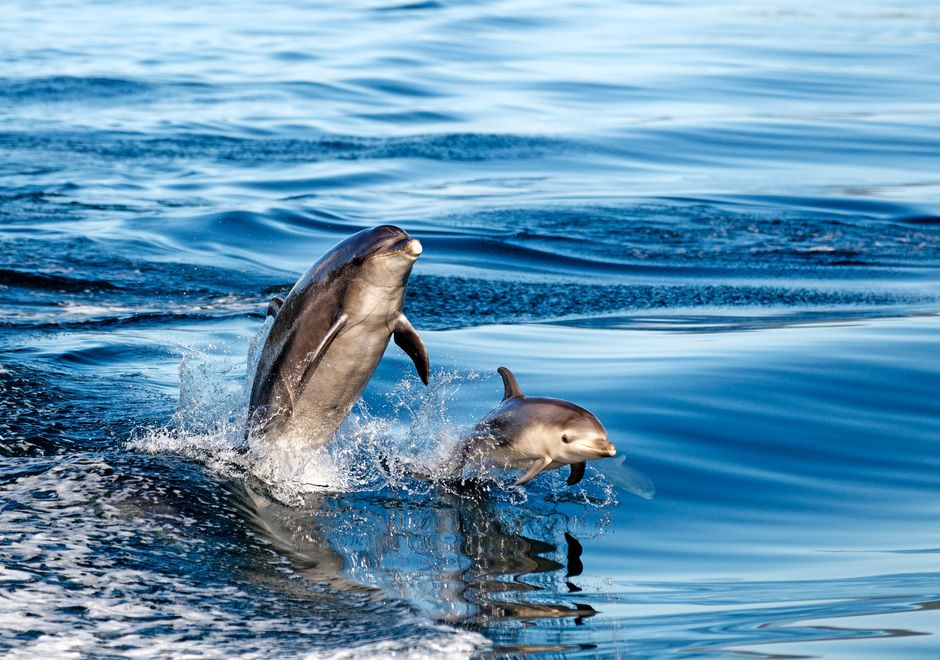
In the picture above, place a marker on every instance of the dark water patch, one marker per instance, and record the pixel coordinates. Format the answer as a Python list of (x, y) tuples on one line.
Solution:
[(294, 56), (121, 273), (53, 411), (847, 209), (30, 424), (57, 89), (111, 355), (448, 147), (928, 220), (478, 147), (319, 90), (450, 302), (27, 194), (325, 183), (412, 6), (129, 291), (51, 282), (393, 86), (32, 205), (156, 308), (411, 117), (688, 232), (106, 319)]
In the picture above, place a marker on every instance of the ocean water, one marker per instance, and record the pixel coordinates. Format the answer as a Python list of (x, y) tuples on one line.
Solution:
[(715, 225)]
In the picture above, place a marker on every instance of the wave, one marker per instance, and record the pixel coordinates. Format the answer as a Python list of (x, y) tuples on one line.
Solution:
[(57, 89), (52, 282), (452, 302), (561, 263), (454, 147), (756, 232), (687, 238)]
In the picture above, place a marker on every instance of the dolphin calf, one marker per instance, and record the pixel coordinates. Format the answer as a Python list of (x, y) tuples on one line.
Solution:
[(536, 434), (329, 334)]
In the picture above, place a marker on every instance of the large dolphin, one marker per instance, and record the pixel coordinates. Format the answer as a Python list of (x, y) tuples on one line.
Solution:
[(536, 434), (329, 334)]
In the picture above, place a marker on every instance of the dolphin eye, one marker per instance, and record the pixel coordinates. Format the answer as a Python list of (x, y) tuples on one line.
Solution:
[(564, 438)]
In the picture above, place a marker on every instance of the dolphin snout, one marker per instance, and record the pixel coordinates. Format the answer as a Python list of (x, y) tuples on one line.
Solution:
[(407, 247), (414, 248), (604, 447)]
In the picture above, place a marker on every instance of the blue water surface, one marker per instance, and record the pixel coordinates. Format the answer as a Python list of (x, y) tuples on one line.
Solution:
[(715, 225)]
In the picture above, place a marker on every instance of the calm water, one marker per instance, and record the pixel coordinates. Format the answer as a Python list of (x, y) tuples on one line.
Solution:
[(716, 225)]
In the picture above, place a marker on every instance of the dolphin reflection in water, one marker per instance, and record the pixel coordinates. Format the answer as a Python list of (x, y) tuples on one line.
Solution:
[(453, 557)]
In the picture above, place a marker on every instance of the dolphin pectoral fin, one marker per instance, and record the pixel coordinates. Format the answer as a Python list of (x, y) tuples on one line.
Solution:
[(577, 473), (409, 341), (535, 468), (313, 357), (275, 305), (510, 386)]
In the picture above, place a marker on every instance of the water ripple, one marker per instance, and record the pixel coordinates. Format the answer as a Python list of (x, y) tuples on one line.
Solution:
[(713, 224)]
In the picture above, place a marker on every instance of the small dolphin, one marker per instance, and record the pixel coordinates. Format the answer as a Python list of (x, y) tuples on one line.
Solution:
[(329, 334), (537, 434)]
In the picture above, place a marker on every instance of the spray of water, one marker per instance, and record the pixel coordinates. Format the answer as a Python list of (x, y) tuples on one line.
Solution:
[(406, 450), (412, 447)]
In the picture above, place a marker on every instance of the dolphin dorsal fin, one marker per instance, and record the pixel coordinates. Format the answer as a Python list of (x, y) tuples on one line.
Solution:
[(275, 305), (511, 387)]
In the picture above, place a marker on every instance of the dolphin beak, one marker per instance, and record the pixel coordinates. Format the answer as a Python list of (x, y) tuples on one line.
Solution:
[(414, 248), (611, 450)]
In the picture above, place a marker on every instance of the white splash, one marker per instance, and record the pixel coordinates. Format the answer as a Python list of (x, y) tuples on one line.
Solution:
[(413, 446), (418, 438)]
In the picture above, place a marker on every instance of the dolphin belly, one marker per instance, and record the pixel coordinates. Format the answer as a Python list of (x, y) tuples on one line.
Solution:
[(334, 387)]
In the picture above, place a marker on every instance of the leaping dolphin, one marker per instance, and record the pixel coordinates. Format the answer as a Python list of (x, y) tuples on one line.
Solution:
[(329, 334), (537, 434)]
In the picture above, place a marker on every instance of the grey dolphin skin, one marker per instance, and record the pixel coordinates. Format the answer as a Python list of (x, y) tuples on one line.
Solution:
[(329, 334), (537, 434)]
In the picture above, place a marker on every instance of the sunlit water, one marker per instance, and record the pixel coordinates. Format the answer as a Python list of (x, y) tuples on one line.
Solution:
[(715, 225)]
